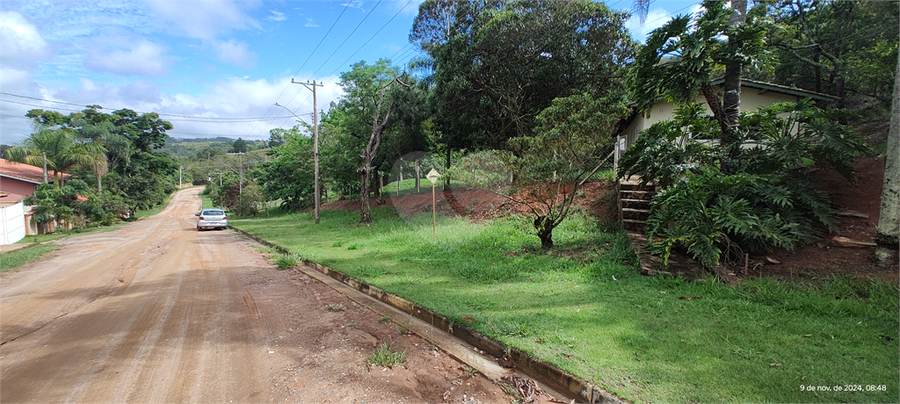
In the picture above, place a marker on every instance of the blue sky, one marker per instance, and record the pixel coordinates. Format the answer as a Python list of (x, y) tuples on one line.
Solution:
[(212, 68)]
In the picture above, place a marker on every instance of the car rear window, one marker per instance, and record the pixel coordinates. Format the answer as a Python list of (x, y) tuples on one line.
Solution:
[(214, 212)]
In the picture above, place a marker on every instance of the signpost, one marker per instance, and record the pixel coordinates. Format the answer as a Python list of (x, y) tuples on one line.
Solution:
[(433, 176)]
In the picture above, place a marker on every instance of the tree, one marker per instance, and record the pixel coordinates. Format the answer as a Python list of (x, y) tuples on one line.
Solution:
[(360, 119), (888, 228), (146, 131), (239, 146), (820, 43), (289, 175), (498, 64), (544, 171), (571, 142), (381, 114), (683, 56), (57, 149)]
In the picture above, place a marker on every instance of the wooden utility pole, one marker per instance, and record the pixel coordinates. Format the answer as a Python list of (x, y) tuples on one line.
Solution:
[(312, 86)]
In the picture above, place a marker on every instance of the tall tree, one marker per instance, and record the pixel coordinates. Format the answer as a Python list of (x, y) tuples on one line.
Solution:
[(360, 119), (888, 229), (498, 64), (682, 57), (820, 43), (239, 146)]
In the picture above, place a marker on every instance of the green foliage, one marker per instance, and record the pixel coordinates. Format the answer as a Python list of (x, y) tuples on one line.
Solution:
[(834, 47), (769, 202), (685, 54), (239, 146), (288, 177), (496, 65), (386, 356)]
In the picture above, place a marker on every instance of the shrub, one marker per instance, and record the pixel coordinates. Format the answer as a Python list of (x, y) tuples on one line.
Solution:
[(767, 202)]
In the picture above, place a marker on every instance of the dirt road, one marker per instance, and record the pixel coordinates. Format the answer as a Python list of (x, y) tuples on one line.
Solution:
[(158, 312)]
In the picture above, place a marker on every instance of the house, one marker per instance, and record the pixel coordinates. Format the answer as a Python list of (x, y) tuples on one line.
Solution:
[(754, 94), (18, 181)]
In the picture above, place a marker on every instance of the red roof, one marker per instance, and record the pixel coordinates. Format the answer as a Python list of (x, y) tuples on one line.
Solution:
[(24, 171)]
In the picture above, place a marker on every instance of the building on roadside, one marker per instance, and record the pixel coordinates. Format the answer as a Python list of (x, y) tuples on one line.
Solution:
[(754, 95), (18, 181)]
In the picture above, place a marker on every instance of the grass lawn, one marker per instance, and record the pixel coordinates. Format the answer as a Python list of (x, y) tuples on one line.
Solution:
[(12, 260), (586, 309)]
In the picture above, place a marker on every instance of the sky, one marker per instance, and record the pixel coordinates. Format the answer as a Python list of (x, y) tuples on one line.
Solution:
[(213, 68)]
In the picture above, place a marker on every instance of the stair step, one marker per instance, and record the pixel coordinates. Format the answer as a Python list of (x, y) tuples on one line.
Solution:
[(631, 213), (636, 203), (634, 224), (644, 195)]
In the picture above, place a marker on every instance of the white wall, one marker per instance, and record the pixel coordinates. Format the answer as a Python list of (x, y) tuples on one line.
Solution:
[(12, 218)]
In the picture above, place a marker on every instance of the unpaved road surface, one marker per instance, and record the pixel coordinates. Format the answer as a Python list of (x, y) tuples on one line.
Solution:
[(158, 312)]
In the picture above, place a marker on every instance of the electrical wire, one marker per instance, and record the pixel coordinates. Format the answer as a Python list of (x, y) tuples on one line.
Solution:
[(346, 39), (371, 37)]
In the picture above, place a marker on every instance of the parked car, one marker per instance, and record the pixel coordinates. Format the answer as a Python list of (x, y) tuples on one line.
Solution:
[(211, 219)]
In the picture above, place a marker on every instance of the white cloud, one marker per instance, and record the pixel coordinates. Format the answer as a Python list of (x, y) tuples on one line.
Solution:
[(21, 43), (141, 57), (655, 19), (354, 4), (236, 53), (276, 16), (310, 23), (409, 8), (205, 19)]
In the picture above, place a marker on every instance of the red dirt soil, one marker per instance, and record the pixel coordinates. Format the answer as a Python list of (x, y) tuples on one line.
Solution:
[(805, 263), (826, 257)]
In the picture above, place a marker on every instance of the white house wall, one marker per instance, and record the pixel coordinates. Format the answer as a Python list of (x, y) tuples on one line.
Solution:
[(12, 218)]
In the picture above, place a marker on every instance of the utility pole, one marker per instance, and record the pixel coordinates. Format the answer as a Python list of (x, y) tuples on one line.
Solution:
[(312, 86)]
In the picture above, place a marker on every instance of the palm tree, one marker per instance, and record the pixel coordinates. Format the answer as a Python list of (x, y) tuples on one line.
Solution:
[(34, 149), (57, 150)]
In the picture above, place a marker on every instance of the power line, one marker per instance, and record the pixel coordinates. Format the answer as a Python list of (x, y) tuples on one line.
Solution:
[(346, 6), (372, 37), (346, 39)]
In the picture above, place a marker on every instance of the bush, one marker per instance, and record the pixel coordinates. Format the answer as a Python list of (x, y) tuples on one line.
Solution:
[(767, 202)]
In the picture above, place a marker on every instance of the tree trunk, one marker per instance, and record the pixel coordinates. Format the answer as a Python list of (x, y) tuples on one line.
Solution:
[(418, 174), (731, 99), (365, 208), (544, 227), (888, 229), (44, 155)]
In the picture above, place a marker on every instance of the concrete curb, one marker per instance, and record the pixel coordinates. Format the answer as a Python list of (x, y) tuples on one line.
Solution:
[(564, 382)]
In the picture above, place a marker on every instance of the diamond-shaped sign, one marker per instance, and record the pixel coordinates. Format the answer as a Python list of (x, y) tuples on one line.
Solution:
[(433, 176)]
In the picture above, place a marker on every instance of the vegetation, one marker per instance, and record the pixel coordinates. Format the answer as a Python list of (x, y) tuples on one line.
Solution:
[(766, 202), (114, 151), (12, 260), (586, 309), (386, 356)]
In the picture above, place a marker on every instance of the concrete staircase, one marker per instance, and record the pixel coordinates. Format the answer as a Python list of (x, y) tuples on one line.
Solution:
[(634, 204)]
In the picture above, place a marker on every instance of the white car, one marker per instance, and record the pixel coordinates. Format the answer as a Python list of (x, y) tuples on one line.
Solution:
[(212, 218)]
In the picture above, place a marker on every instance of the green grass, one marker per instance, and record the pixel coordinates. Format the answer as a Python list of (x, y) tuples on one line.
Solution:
[(12, 260), (586, 309), (386, 356)]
